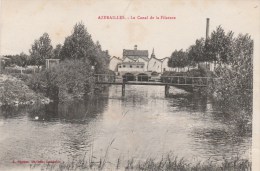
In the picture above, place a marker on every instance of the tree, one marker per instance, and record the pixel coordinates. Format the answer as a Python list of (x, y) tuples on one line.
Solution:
[(101, 58), (236, 85), (57, 51), (23, 60), (20, 60), (179, 59), (220, 46), (41, 50), (79, 45), (196, 52)]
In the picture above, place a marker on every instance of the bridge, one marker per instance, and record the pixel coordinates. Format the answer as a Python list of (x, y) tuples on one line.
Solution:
[(167, 81)]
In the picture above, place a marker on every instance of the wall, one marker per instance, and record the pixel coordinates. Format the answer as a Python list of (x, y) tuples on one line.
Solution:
[(154, 65), (165, 65), (145, 63), (113, 63), (133, 69)]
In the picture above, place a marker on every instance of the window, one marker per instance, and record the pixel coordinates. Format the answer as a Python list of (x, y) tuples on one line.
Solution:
[(130, 66), (119, 66), (137, 66), (142, 66), (123, 66)]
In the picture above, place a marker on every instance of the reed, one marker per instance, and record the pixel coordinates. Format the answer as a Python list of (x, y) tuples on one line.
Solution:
[(167, 163)]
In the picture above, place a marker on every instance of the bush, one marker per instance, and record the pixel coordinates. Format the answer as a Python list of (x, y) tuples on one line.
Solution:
[(71, 78)]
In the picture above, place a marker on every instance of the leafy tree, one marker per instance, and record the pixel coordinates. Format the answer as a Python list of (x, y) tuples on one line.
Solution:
[(79, 45), (23, 59), (72, 78), (179, 59), (57, 51), (101, 58), (196, 52), (220, 46), (20, 60), (41, 50)]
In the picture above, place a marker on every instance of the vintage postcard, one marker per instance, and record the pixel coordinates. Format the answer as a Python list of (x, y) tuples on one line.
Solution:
[(129, 85)]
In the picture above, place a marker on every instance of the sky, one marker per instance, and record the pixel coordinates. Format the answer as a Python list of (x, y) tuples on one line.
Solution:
[(23, 21)]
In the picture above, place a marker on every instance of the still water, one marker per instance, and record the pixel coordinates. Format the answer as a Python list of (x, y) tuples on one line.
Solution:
[(144, 124)]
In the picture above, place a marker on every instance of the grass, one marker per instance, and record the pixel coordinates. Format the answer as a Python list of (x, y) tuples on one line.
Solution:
[(167, 163)]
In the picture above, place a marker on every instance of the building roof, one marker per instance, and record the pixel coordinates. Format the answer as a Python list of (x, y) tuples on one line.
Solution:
[(135, 52), (155, 59), (115, 58), (133, 63), (144, 58), (135, 58)]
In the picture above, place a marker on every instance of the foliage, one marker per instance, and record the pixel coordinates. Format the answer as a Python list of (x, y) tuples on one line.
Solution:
[(236, 85), (178, 59), (20, 60), (41, 50), (80, 59), (15, 92), (220, 46), (71, 78), (79, 45), (56, 52), (196, 52), (165, 163), (234, 55)]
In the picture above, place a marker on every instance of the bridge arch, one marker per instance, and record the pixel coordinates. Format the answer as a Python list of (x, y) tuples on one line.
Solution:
[(154, 73), (129, 77), (142, 77)]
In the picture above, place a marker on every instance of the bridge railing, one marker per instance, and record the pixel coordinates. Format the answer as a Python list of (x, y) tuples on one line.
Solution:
[(181, 80), (177, 80)]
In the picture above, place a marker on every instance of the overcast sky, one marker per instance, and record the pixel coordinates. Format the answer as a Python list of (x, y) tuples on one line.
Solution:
[(23, 21)]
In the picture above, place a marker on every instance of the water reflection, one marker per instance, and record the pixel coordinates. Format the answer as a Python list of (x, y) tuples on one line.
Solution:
[(78, 111), (142, 124)]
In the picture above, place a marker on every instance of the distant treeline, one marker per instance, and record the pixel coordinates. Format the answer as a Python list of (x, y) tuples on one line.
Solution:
[(79, 45), (220, 47)]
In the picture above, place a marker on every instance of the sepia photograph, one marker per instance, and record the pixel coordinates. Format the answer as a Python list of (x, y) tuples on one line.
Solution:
[(136, 85)]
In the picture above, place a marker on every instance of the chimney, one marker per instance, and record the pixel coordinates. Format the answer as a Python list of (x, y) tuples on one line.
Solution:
[(135, 47), (207, 29)]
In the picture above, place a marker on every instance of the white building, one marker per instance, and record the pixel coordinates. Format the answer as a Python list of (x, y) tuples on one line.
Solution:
[(114, 61), (137, 61)]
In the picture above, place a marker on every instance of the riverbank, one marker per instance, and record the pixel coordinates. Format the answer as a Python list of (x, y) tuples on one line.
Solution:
[(14, 91)]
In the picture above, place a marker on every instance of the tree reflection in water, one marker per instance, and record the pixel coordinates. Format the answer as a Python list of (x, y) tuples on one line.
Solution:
[(71, 111)]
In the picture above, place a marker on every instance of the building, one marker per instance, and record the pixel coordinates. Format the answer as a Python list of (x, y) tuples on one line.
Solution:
[(138, 62), (113, 64)]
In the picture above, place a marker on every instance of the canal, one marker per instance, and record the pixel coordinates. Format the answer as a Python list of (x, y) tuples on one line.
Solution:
[(144, 124)]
